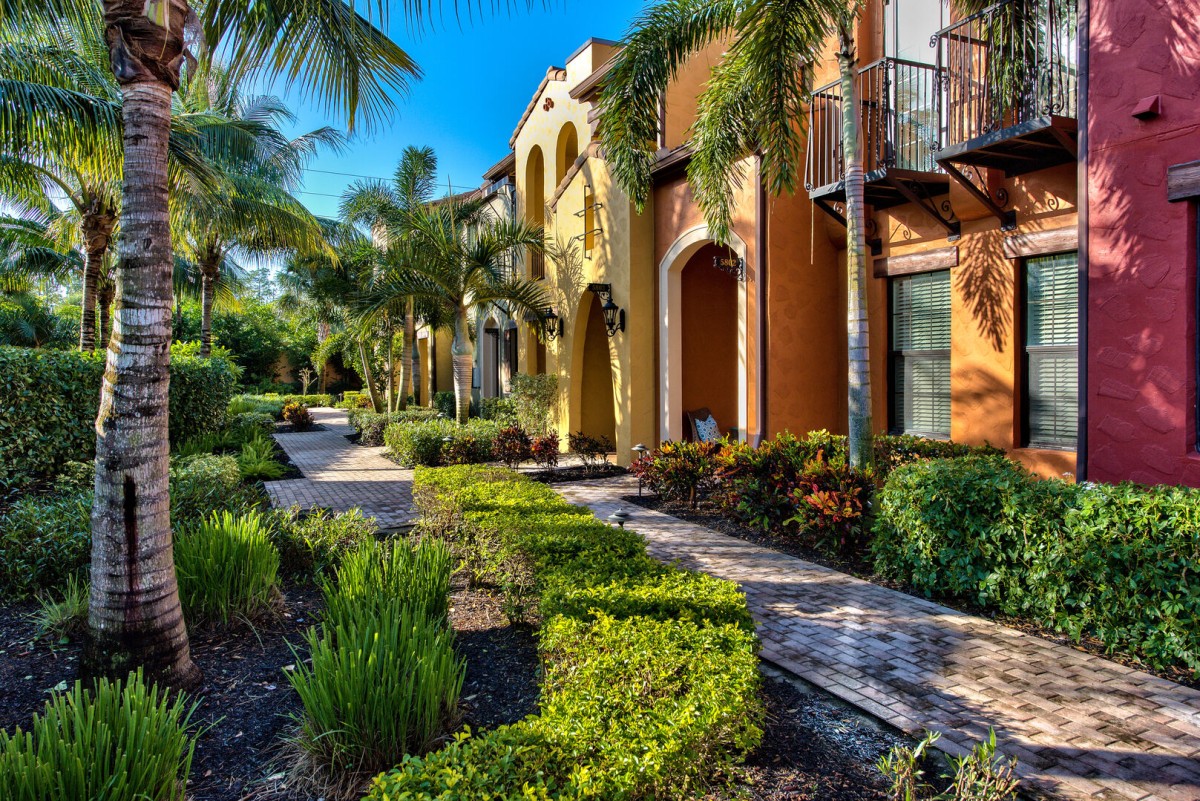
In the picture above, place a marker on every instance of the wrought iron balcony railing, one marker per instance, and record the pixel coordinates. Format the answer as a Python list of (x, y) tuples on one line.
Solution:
[(1011, 64), (899, 103), (537, 265)]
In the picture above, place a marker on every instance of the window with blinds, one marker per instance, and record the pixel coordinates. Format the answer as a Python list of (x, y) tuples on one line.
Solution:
[(1052, 350), (921, 354)]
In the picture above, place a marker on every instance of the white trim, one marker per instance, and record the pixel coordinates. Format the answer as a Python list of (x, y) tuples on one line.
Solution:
[(670, 362)]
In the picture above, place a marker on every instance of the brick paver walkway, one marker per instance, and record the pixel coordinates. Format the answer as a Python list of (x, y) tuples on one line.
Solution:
[(1081, 726), (340, 476)]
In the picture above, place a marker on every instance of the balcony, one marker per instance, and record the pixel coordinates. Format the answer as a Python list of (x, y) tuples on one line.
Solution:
[(1011, 87), (899, 103)]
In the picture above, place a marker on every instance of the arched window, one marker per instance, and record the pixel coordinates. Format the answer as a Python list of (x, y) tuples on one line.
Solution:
[(568, 151), (535, 205)]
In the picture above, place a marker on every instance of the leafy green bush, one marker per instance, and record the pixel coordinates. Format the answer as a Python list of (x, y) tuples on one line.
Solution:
[(680, 471), (227, 568), (201, 485), (592, 451), (501, 410), (832, 499), (50, 400), (1116, 562), (354, 400), (309, 400), (533, 398), (383, 679), (310, 544), (444, 403), (43, 542), (757, 484), (894, 450), (245, 425), (371, 425), (121, 741), (651, 677), (436, 442), (258, 404), (75, 477)]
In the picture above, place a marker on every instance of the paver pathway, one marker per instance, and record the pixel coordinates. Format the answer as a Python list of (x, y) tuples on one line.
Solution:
[(339, 475), (1080, 725)]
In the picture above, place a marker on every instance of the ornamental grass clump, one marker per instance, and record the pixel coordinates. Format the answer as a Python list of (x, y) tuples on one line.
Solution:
[(121, 741), (383, 679), (227, 568)]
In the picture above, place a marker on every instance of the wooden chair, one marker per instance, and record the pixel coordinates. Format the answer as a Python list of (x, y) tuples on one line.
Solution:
[(698, 416)]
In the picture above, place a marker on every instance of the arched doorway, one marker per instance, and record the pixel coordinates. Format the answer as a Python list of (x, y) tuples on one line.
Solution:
[(709, 306), (596, 415), (720, 319), (489, 360)]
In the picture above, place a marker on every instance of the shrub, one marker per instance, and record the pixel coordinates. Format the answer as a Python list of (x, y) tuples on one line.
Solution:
[(258, 404), (1115, 562), (313, 543), (44, 541), (298, 416), (75, 477), (309, 400), (371, 426), (201, 485), (355, 400), (543, 449), (384, 679), (592, 451), (436, 442), (245, 425), (50, 400), (512, 446), (832, 500), (445, 404), (757, 484), (979, 775), (501, 410), (121, 741), (894, 450), (533, 398), (680, 471), (650, 680), (257, 461), (227, 568)]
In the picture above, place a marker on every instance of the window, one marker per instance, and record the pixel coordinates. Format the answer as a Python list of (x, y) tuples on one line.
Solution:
[(921, 354), (1052, 351)]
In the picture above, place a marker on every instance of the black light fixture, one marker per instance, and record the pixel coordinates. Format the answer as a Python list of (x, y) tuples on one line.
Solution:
[(554, 325), (614, 315)]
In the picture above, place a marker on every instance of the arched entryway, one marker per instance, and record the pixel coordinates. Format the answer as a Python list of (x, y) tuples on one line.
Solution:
[(704, 347), (593, 358), (709, 353), (489, 360)]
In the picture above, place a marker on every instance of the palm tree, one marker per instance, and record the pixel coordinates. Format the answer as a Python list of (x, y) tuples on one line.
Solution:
[(454, 259), (385, 210), (332, 53), (260, 167), (753, 103)]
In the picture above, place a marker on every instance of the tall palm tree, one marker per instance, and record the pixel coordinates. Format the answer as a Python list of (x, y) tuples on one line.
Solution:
[(337, 57), (384, 208), (752, 103), (261, 167), (455, 260)]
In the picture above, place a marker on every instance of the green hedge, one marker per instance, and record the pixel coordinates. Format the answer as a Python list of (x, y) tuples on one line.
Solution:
[(371, 425), (49, 400), (1117, 562), (430, 443), (651, 678)]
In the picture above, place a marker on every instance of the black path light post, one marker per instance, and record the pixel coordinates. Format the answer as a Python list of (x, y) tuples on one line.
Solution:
[(639, 451)]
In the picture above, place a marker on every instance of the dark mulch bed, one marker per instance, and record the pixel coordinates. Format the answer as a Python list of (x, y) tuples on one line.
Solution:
[(246, 703), (707, 515), (563, 475), (813, 749), (290, 470)]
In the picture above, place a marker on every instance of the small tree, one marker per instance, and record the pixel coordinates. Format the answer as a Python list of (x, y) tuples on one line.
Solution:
[(534, 398)]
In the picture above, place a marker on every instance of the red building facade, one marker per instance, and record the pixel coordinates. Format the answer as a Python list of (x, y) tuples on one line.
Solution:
[(1143, 188)]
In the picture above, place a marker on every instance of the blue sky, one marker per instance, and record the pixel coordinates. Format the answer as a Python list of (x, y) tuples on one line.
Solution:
[(478, 78)]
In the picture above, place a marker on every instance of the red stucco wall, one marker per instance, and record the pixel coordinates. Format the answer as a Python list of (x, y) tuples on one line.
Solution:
[(1142, 261)]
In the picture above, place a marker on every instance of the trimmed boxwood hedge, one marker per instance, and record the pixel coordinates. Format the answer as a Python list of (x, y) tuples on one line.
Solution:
[(1119, 562), (651, 674), (49, 400)]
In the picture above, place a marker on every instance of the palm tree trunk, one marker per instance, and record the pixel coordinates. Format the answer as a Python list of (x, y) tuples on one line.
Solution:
[(208, 274), (97, 229), (105, 300), (407, 370), (391, 365), (462, 357), (860, 425), (368, 375), (134, 617)]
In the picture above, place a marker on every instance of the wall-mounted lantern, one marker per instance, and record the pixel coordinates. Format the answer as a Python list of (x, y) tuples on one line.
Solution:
[(554, 325), (614, 315)]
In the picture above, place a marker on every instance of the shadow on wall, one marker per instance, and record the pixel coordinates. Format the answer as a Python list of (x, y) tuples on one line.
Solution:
[(984, 279)]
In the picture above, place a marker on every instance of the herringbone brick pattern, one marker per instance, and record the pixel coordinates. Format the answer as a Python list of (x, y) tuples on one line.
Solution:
[(340, 476), (1082, 727)]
